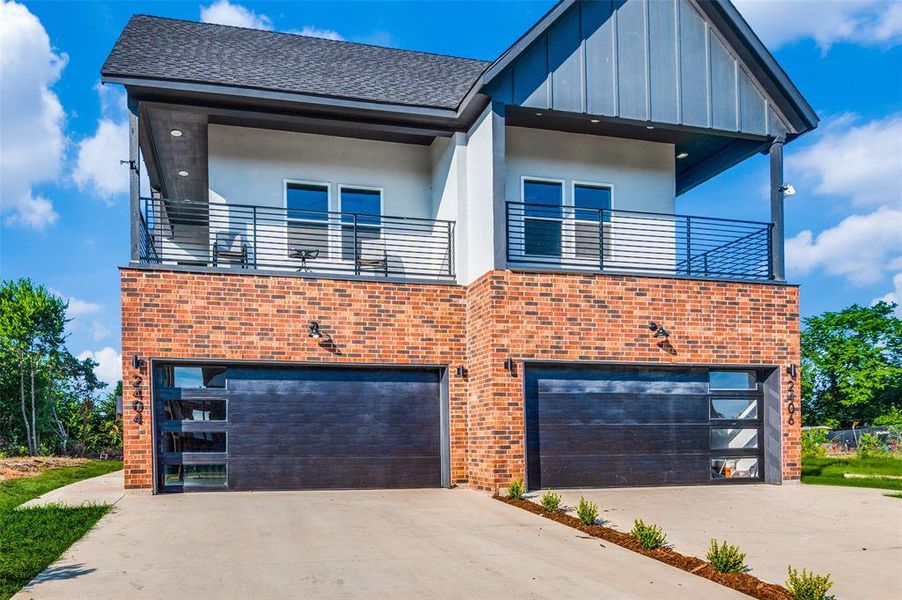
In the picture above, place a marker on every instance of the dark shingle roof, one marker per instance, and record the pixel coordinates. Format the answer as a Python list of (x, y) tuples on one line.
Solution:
[(159, 48)]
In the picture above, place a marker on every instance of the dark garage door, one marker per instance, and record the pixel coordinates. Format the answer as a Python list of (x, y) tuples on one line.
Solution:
[(265, 428), (590, 426)]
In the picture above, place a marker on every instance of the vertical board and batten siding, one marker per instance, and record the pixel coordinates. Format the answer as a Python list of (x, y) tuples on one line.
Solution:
[(660, 61)]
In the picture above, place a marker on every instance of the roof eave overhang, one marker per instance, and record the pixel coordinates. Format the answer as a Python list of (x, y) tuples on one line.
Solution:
[(457, 119)]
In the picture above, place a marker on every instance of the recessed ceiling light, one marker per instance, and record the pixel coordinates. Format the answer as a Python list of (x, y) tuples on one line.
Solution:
[(183, 173), (682, 155), (176, 133), (594, 120), (649, 127), (538, 114)]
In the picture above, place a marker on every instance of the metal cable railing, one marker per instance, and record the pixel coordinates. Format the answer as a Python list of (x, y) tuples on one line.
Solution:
[(567, 237), (238, 236)]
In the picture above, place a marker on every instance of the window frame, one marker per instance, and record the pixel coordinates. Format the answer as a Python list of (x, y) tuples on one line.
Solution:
[(327, 223), (524, 179), (606, 224)]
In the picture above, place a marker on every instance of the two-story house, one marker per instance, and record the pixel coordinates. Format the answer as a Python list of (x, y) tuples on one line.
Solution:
[(363, 267)]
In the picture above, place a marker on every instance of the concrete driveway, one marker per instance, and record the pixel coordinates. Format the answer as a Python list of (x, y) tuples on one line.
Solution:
[(853, 533), (379, 544)]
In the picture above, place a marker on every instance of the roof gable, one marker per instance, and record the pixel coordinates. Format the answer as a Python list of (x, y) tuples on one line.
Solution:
[(676, 62)]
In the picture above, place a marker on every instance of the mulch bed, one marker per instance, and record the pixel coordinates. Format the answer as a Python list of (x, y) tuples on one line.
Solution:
[(742, 582)]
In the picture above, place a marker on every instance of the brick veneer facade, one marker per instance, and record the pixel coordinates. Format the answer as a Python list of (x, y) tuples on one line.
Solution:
[(504, 314)]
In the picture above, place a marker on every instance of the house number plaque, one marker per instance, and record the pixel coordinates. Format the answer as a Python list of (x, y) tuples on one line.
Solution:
[(791, 402), (138, 404)]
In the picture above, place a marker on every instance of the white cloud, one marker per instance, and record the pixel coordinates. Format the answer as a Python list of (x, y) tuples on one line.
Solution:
[(31, 117), (77, 306), (862, 248), (894, 296), (99, 331), (861, 161), (311, 31), (97, 169), (867, 22), (109, 368), (224, 12)]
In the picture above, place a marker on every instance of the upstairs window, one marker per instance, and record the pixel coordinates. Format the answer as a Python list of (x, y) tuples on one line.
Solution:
[(542, 217), (591, 205), (307, 207), (362, 206)]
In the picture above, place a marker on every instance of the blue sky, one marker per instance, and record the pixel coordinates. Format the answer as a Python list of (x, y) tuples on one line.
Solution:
[(64, 195)]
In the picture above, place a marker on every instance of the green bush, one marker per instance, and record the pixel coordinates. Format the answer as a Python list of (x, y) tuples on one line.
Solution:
[(726, 558), (813, 441), (808, 586), (587, 511), (868, 445), (516, 489), (551, 501), (649, 535)]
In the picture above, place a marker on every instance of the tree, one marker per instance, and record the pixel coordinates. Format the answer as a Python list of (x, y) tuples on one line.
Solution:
[(32, 322), (851, 365)]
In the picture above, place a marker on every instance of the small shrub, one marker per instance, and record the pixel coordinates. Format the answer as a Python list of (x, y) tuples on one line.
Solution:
[(516, 489), (868, 445), (649, 535), (587, 511), (813, 443), (551, 501), (808, 586), (726, 558)]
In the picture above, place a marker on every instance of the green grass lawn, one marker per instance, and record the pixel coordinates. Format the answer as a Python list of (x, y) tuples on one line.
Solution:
[(31, 539), (829, 471)]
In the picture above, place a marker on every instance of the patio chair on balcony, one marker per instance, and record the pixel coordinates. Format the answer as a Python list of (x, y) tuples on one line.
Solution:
[(371, 256), (230, 248)]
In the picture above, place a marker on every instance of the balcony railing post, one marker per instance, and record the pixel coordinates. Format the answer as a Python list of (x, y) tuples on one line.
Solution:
[(601, 240), (450, 248), (255, 236), (688, 245), (770, 254), (356, 249)]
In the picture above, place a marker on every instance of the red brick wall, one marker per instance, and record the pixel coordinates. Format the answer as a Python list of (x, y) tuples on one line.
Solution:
[(502, 315), (605, 318), (169, 314)]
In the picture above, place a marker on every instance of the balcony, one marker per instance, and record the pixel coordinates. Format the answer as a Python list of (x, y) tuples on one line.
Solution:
[(237, 236), (548, 237)]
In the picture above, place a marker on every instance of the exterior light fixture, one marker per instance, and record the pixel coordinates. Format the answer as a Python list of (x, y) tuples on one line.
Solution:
[(315, 333), (461, 371), (538, 114), (649, 126), (792, 370), (176, 133), (787, 189), (137, 363), (682, 155), (659, 330), (509, 365), (183, 173), (594, 120)]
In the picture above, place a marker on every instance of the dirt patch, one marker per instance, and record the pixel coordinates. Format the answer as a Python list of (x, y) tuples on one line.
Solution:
[(742, 582), (29, 466)]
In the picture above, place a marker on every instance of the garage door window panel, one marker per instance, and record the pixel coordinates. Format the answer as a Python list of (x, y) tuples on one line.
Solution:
[(734, 409), (178, 442), (732, 380), (734, 438), (198, 475), (730, 468), (194, 409), (186, 377)]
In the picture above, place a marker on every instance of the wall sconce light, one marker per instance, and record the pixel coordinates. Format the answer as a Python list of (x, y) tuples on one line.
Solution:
[(137, 363), (461, 371), (509, 365), (787, 189), (659, 330), (792, 370), (315, 333)]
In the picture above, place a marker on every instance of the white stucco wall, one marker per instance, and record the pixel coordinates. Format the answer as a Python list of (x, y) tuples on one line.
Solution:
[(477, 224), (642, 173), (249, 166)]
